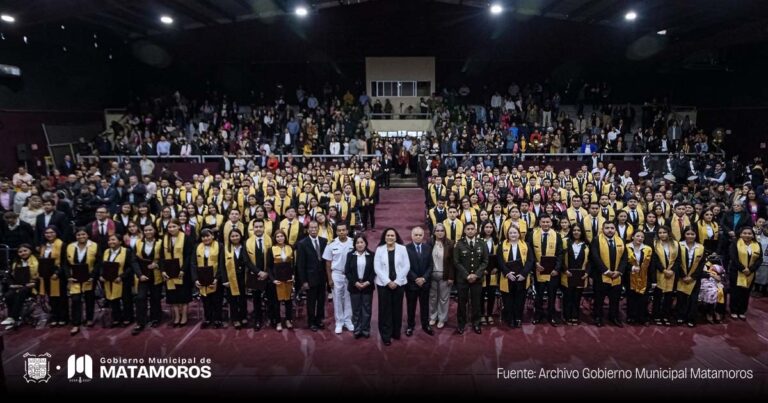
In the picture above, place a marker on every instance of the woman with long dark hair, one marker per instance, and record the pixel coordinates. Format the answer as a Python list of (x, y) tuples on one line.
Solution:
[(179, 248), (360, 275), (573, 282), (746, 257), (236, 264)]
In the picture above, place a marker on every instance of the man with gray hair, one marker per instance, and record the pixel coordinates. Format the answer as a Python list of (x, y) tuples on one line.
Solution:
[(419, 276)]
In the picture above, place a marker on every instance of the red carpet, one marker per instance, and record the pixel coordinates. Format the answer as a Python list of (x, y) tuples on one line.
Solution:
[(301, 362)]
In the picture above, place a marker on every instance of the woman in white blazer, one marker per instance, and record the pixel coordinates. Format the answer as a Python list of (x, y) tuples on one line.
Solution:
[(391, 265)]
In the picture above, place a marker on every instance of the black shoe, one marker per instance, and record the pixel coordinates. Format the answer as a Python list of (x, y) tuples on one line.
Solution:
[(599, 322), (553, 322), (409, 332), (257, 326), (535, 321), (617, 323), (217, 325), (358, 335), (237, 325), (154, 323), (428, 330), (388, 342), (518, 324), (205, 325), (366, 335), (314, 328), (320, 326), (460, 330), (477, 329), (137, 329)]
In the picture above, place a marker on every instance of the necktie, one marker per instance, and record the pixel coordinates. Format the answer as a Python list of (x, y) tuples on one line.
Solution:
[(634, 216), (611, 253), (103, 231), (418, 249), (317, 248), (544, 241), (578, 216), (261, 247), (289, 230), (680, 221), (594, 224), (453, 228)]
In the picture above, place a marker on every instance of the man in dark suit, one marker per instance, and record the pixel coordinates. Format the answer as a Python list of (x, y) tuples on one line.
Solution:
[(470, 259), (107, 196), (419, 280), (53, 217), (15, 232), (311, 269), (136, 191), (68, 166)]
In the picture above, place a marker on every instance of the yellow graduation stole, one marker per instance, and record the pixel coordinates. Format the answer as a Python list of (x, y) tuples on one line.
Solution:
[(242, 197), (494, 279), (344, 211), (325, 231), (664, 283), (589, 231), (433, 192), (351, 204), (281, 204), (249, 213), (267, 227), (228, 229), (531, 219), (698, 254), (747, 261), (276, 253), (210, 220), (568, 265), (55, 285), (571, 212), (157, 276), (549, 251), (213, 261), (91, 249), (306, 197), (702, 230), (453, 236), (522, 252), (250, 248), (640, 215), (629, 230), (171, 251), (229, 263), (112, 290), (521, 226), (638, 282), (472, 214), (367, 189), (183, 196), (677, 231), (605, 257), (293, 233)]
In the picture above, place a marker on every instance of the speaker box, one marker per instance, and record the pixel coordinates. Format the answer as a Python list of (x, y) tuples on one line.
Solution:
[(22, 152)]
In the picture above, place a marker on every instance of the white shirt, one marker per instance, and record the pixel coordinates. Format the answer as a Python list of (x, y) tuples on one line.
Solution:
[(113, 254), (576, 248), (48, 250), (81, 252), (710, 231), (361, 264), (336, 252), (638, 253), (207, 251), (238, 248), (148, 247), (513, 252)]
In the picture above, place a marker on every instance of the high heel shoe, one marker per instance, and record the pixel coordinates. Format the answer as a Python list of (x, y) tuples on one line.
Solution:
[(279, 327), (288, 324), (75, 330)]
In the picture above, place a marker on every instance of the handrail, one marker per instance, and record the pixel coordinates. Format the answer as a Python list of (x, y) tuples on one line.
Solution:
[(121, 158)]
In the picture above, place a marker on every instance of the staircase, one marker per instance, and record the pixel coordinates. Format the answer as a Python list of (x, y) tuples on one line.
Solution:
[(409, 181)]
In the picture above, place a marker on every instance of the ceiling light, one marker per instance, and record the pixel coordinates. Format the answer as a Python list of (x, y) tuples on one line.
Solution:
[(662, 32), (630, 16), (302, 11), (25, 39), (496, 9), (166, 20), (7, 18)]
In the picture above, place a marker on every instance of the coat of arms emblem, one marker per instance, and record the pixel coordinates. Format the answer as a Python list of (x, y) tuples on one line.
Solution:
[(37, 368)]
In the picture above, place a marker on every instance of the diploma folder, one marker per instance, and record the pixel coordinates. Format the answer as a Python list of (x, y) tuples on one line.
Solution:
[(575, 281), (205, 275), (21, 275), (515, 267), (172, 268), (548, 263), (144, 266), (283, 271), (252, 282), (45, 267), (109, 270), (80, 273)]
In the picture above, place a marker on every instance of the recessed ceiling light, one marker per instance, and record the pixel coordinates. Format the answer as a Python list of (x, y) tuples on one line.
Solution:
[(302, 11), (662, 32), (7, 18), (166, 20), (496, 9), (630, 16)]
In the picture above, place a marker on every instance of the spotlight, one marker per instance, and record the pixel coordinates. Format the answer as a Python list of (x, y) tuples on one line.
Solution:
[(8, 18), (301, 11), (496, 8), (25, 39), (662, 32), (166, 20), (630, 16), (64, 48), (96, 45), (63, 27)]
